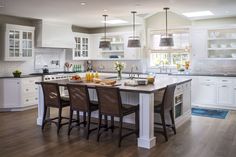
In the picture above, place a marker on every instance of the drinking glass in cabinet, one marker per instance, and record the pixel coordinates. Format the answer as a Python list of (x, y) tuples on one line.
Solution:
[(29, 44), (24, 52), (17, 35), (11, 43), (29, 52), (17, 44), (24, 44), (17, 52), (24, 35), (11, 34), (11, 53), (30, 35)]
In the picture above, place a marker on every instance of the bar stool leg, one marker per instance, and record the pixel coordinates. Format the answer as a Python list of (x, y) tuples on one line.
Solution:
[(78, 118), (44, 116), (88, 125), (112, 124), (99, 127), (164, 126), (84, 118), (173, 121), (120, 131), (59, 120), (70, 121)]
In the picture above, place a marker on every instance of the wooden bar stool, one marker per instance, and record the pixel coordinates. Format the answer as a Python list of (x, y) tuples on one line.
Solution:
[(53, 99), (79, 101), (166, 106), (110, 104)]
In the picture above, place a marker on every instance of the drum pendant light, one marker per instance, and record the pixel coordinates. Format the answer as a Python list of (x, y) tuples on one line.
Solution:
[(134, 41), (104, 43), (167, 39)]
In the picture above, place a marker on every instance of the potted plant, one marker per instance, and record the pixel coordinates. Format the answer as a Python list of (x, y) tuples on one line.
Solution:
[(17, 73)]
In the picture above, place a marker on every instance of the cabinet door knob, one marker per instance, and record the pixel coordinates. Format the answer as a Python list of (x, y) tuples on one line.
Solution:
[(27, 89), (27, 100)]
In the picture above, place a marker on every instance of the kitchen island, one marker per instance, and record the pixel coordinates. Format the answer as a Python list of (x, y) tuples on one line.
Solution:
[(144, 96)]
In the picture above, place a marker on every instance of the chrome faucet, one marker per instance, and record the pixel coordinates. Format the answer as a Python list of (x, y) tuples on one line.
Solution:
[(132, 74)]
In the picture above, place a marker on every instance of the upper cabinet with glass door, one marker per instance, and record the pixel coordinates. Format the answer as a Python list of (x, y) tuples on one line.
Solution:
[(18, 43), (82, 46), (222, 43)]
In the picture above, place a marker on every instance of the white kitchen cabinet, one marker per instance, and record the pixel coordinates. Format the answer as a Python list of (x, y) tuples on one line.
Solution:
[(18, 93), (207, 94), (18, 43), (82, 49), (234, 96), (198, 40), (225, 94)]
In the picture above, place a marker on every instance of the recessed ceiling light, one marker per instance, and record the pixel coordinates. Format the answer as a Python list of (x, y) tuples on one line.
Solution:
[(198, 13), (82, 3), (115, 21), (105, 10)]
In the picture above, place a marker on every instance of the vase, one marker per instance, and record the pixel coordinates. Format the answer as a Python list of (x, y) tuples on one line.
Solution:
[(119, 77)]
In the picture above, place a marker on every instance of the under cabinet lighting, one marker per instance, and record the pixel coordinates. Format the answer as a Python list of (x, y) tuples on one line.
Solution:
[(198, 13), (115, 21)]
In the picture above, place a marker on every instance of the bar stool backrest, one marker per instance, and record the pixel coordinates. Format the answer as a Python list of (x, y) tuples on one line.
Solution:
[(168, 99), (109, 100), (79, 97), (51, 94)]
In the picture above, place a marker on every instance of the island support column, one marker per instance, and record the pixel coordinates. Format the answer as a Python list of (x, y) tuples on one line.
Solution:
[(146, 129), (40, 105)]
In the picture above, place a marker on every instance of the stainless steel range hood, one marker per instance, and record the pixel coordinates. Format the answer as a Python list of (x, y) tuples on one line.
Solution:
[(54, 35)]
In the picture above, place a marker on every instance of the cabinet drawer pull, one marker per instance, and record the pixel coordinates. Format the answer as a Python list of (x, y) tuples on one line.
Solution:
[(224, 86), (224, 80), (207, 85)]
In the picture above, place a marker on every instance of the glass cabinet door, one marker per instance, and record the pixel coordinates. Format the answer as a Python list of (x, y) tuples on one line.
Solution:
[(14, 43), (84, 47), (27, 46)]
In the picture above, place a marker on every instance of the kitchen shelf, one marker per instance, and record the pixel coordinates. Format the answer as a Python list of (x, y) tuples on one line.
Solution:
[(117, 43)]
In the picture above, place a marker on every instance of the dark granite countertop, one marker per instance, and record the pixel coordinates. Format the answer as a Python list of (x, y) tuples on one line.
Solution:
[(22, 76)]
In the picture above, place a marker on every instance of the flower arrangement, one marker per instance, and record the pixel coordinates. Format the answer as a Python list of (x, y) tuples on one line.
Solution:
[(119, 66)]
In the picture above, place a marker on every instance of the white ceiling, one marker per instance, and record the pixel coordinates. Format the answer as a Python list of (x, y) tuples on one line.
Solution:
[(90, 15)]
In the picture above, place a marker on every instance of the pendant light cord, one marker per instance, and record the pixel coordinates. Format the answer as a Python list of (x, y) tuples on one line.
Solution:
[(105, 26), (133, 25), (166, 22)]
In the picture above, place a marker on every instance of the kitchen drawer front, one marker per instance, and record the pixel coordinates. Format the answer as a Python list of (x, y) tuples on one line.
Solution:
[(29, 89), (30, 81), (211, 80), (29, 100), (225, 80)]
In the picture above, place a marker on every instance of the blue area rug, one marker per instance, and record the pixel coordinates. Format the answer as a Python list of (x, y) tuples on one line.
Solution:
[(212, 113)]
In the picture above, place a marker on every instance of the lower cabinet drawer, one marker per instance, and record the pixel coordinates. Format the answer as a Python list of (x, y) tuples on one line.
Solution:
[(29, 100)]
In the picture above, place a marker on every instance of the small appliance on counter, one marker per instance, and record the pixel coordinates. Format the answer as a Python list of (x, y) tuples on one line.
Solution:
[(45, 69)]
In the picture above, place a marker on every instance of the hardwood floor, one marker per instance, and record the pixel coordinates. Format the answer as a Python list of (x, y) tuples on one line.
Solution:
[(200, 137)]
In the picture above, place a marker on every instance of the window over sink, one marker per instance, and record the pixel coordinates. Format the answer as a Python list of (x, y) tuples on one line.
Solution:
[(169, 56)]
